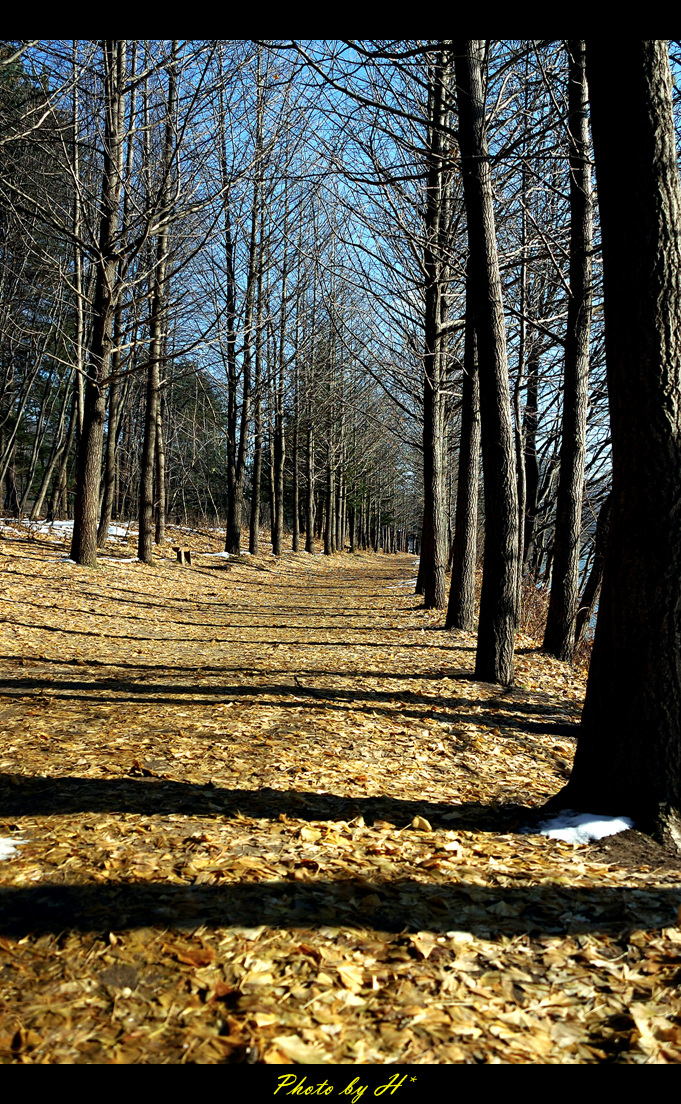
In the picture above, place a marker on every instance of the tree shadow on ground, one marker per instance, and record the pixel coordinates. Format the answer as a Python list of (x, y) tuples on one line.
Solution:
[(443, 708), (21, 795), (404, 905), (390, 905)]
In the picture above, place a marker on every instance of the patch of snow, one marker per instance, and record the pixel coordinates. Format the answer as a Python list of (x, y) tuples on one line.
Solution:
[(575, 827), (121, 559), (222, 555), (8, 847), (66, 559), (67, 527), (48, 526)]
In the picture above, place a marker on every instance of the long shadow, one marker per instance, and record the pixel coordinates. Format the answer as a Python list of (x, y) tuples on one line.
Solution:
[(402, 906), (329, 696), (448, 710), (304, 672), (372, 631), (205, 608), (23, 795)]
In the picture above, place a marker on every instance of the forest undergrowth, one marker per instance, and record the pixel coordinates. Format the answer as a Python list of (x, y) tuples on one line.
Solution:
[(263, 812)]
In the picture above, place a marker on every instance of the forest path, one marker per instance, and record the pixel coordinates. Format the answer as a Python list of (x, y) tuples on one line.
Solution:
[(269, 812)]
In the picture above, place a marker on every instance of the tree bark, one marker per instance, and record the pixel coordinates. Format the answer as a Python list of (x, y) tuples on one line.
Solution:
[(461, 608), (559, 636), (88, 469), (433, 566), (530, 422), (628, 758), (149, 463), (309, 491), (592, 586), (494, 657)]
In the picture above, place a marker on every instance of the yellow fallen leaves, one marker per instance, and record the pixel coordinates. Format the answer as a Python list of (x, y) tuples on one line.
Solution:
[(265, 822)]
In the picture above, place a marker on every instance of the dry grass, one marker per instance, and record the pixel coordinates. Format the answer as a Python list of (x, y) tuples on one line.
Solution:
[(534, 607)]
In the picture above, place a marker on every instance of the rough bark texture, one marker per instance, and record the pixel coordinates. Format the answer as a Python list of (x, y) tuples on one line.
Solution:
[(494, 658), (461, 608), (433, 567), (559, 637), (592, 586), (88, 469), (629, 750)]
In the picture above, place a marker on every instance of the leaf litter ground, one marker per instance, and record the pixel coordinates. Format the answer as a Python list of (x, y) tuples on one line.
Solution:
[(270, 816)]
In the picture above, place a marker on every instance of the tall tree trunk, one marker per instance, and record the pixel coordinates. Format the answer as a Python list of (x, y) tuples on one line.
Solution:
[(110, 469), (461, 608), (309, 501), (295, 538), (494, 657), (145, 544), (254, 527), (628, 758), (330, 498), (89, 462), (531, 466), (160, 475), (559, 637), (433, 565)]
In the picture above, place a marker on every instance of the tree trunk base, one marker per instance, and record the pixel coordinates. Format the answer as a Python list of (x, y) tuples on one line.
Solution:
[(662, 822)]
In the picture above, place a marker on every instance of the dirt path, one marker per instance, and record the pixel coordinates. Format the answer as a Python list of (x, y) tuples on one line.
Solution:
[(269, 814)]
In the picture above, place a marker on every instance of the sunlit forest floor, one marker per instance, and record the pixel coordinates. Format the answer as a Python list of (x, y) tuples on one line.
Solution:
[(268, 815)]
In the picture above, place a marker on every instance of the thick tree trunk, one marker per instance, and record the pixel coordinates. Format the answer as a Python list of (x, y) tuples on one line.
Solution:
[(559, 637), (628, 757), (494, 658)]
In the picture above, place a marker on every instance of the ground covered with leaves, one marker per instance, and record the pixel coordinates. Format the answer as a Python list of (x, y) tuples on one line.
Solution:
[(268, 815)]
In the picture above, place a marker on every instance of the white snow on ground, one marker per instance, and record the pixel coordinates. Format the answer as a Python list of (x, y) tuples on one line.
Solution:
[(222, 555), (67, 527), (8, 847), (118, 559), (581, 827)]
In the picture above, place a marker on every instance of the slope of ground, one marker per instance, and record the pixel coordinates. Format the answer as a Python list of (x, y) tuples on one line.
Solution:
[(269, 815)]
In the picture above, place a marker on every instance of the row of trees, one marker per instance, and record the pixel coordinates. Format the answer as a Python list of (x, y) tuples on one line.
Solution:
[(193, 347), (361, 282), (476, 236)]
